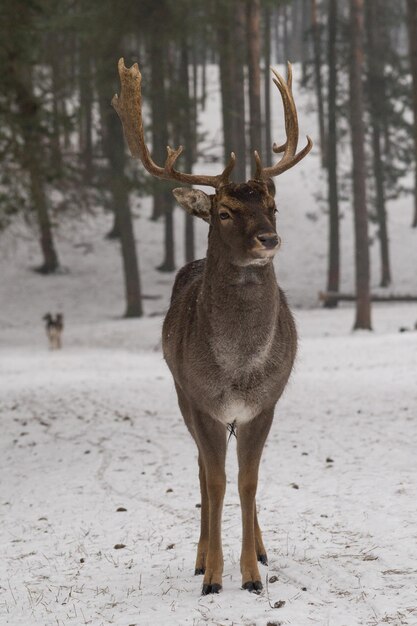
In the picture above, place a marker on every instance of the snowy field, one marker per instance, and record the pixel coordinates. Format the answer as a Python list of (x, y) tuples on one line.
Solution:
[(98, 476), (87, 431)]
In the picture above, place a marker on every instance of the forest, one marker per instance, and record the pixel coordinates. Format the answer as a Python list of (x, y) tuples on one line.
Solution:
[(62, 146)]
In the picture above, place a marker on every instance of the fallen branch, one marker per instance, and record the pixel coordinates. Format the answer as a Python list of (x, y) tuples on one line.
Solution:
[(324, 296)]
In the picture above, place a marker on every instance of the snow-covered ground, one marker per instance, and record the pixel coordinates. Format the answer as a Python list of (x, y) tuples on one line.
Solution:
[(88, 430), (96, 428)]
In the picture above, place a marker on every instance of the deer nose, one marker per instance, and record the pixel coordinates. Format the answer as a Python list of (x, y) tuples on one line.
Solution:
[(268, 240)]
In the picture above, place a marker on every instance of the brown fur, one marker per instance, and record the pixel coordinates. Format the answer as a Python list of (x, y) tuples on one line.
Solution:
[(230, 341)]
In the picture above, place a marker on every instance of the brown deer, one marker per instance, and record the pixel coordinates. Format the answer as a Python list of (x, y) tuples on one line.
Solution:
[(229, 337)]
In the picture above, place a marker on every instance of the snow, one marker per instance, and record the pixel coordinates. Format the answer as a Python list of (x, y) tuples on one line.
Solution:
[(96, 427), (86, 431)]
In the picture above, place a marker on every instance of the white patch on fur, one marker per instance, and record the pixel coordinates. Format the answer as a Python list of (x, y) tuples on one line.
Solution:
[(256, 262), (236, 411)]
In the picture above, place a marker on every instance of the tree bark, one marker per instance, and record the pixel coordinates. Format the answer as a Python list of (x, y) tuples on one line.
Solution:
[(254, 58), (267, 86), (350, 297), (56, 71), (32, 162), (86, 112), (362, 262), (204, 68), (38, 197), (162, 195), (286, 52), (116, 182), (238, 90), (120, 198), (230, 22), (305, 42), (222, 23), (377, 91), (412, 30), (315, 25), (104, 81), (159, 119), (333, 274), (188, 140)]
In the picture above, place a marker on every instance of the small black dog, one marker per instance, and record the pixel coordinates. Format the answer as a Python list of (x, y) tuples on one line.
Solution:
[(54, 328)]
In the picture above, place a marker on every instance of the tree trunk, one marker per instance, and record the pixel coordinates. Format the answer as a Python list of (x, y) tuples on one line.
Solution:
[(188, 140), (105, 81), (295, 32), (223, 39), (162, 195), (38, 197), (305, 42), (120, 198), (254, 59), (32, 162), (204, 69), (362, 265), (238, 89), (229, 29), (116, 182), (285, 35), (276, 39), (267, 86), (412, 26), (159, 120), (333, 275), (86, 113), (377, 90), (317, 79), (56, 70)]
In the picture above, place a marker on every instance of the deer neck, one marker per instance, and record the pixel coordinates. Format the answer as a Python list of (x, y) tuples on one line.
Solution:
[(239, 306)]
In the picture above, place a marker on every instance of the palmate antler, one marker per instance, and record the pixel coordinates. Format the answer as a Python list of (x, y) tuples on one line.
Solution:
[(289, 148), (129, 109)]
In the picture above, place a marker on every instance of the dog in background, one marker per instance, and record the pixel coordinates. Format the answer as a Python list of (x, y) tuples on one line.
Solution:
[(54, 328)]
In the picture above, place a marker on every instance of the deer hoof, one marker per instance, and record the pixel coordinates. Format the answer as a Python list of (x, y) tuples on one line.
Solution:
[(254, 586), (262, 558), (199, 570), (212, 588)]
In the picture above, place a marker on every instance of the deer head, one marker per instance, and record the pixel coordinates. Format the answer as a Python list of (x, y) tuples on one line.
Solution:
[(241, 216)]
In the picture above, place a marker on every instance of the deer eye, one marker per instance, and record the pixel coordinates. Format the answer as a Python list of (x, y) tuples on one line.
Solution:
[(224, 216)]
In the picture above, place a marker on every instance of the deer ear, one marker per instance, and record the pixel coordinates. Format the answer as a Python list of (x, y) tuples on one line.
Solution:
[(194, 201), (271, 187)]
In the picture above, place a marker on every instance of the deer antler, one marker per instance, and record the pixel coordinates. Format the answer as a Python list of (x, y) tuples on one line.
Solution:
[(129, 109), (289, 148)]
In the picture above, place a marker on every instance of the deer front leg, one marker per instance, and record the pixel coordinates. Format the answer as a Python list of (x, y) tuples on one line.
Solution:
[(211, 441), (259, 544), (250, 442), (200, 564)]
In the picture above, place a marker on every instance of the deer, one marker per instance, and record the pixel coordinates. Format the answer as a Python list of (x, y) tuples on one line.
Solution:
[(228, 338)]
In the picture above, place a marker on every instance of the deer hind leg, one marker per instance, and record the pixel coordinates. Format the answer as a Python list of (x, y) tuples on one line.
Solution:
[(211, 440), (200, 564), (250, 442)]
